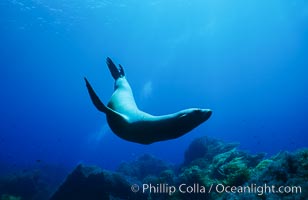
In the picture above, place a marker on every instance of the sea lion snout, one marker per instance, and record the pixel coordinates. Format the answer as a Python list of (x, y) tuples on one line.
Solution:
[(206, 113), (202, 114)]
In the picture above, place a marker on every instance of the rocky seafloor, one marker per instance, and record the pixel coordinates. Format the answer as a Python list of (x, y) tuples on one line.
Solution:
[(211, 169)]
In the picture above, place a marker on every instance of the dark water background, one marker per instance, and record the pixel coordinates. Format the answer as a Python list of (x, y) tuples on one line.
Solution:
[(246, 60)]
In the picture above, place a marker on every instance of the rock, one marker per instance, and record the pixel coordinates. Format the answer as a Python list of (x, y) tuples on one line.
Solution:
[(146, 165), (206, 148), (95, 184)]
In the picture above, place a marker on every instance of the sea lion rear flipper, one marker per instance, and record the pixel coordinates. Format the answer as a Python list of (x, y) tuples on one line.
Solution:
[(96, 101), (121, 70), (115, 71)]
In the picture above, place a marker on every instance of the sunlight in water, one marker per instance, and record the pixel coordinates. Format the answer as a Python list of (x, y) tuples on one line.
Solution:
[(96, 137), (147, 89)]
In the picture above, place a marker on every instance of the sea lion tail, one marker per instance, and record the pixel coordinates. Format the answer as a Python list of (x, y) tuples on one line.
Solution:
[(95, 99), (116, 72)]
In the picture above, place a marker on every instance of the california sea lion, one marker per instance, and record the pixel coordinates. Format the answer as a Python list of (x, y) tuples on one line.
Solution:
[(130, 123)]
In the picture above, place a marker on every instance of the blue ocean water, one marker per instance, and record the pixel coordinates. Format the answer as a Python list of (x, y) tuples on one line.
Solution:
[(246, 60)]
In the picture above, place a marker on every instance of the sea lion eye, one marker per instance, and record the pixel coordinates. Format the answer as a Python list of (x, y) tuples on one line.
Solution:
[(183, 115)]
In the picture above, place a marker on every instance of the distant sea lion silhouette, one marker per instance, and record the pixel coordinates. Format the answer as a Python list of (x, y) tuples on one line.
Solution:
[(130, 123)]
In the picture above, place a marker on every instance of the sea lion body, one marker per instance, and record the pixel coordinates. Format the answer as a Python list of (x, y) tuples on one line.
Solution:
[(129, 123)]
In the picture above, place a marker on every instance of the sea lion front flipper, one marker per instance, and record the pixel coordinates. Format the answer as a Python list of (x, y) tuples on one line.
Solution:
[(114, 70), (95, 99)]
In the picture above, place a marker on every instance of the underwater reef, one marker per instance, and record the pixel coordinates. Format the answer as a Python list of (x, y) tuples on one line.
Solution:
[(212, 169), (35, 182)]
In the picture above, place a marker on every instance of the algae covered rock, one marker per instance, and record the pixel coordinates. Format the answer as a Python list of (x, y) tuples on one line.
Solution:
[(192, 174), (286, 170), (219, 164), (236, 172), (9, 197), (264, 164), (26, 185), (231, 168), (95, 184), (167, 176), (146, 165), (206, 148)]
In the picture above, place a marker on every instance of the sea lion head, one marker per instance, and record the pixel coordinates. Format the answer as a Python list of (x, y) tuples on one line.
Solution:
[(193, 117)]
